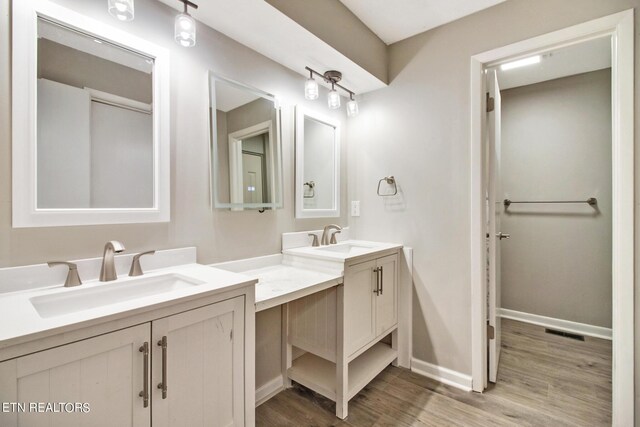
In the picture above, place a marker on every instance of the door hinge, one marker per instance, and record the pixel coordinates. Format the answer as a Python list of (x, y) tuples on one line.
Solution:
[(231, 335), (491, 332), (491, 103)]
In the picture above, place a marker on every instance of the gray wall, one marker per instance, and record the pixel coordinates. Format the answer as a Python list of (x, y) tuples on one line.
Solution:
[(556, 144), (418, 130), (219, 235)]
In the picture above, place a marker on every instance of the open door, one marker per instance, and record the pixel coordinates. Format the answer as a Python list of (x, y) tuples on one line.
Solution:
[(494, 232)]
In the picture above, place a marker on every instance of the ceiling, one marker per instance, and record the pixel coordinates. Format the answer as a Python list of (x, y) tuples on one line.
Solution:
[(580, 58), (263, 28), (395, 20)]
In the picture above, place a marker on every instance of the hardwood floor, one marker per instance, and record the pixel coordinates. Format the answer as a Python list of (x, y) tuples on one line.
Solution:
[(543, 380)]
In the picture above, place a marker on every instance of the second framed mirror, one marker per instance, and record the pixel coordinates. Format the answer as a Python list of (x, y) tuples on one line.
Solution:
[(246, 155), (317, 165)]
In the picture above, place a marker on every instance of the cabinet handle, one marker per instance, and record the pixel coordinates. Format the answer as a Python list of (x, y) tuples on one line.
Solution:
[(377, 289), (381, 279), (163, 385), (144, 349)]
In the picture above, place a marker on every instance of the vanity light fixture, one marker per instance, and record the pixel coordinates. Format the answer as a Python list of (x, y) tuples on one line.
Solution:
[(333, 99), (185, 26), (352, 107), (311, 88), (121, 9)]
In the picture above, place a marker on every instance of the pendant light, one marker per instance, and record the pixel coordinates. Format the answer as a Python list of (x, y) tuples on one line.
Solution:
[(352, 107), (311, 88), (121, 9), (185, 26), (333, 99)]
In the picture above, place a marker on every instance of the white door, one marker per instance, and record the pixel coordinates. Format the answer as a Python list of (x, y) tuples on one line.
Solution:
[(252, 177), (495, 234), (198, 367), (105, 372)]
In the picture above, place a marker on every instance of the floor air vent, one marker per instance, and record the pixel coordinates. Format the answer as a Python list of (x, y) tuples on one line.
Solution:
[(565, 334)]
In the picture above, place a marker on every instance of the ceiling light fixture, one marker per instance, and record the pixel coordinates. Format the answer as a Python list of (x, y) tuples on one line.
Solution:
[(185, 26), (333, 99), (311, 88), (121, 9), (520, 63), (352, 107)]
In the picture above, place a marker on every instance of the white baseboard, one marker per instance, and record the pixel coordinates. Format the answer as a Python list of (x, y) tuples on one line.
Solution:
[(268, 390), (559, 324), (444, 375)]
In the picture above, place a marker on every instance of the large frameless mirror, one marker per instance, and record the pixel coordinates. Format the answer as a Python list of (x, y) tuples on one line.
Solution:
[(317, 165), (245, 146), (96, 151)]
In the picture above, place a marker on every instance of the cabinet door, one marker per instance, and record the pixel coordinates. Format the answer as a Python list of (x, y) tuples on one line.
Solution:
[(106, 372), (387, 299), (203, 366), (359, 306)]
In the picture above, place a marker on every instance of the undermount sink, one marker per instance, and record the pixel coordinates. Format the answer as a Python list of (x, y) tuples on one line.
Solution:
[(345, 248), (86, 298)]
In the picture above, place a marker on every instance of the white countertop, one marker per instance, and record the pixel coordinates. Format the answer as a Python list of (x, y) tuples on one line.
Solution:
[(295, 274), (357, 249), (279, 283), (20, 319)]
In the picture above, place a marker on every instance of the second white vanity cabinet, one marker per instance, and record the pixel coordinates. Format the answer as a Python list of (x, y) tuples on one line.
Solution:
[(370, 294), (346, 335)]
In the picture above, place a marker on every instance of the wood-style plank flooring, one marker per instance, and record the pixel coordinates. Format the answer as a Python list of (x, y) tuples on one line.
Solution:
[(543, 380)]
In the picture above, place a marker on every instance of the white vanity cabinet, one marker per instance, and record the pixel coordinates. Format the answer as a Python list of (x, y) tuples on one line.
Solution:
[(198, 356), (106, 371), (190, 366), (371, 300), (347, 335)]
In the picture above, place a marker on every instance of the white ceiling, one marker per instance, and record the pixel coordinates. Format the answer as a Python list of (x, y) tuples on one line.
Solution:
[(263, 28), (395, 20), (580, 58)]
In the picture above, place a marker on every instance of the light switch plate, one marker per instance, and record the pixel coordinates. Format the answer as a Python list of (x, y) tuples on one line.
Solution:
[(355, 208)]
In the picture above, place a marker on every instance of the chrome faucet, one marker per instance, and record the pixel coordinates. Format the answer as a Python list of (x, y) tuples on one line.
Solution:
[(108, 270), (325, 233)]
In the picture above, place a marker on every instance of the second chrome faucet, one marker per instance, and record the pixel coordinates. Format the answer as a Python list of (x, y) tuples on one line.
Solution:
[(327, 237)]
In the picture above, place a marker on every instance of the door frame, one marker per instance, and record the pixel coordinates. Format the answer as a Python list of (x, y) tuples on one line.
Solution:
[(620, 26)]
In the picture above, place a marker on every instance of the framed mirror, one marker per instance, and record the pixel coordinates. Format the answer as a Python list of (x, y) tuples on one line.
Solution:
[(90, 121), (246, 155), (317, 165)]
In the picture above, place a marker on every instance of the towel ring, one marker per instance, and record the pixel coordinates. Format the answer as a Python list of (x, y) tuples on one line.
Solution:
[(391, 181), (312, 187)]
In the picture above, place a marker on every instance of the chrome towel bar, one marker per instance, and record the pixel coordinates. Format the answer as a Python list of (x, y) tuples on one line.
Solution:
[(592, 201)]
